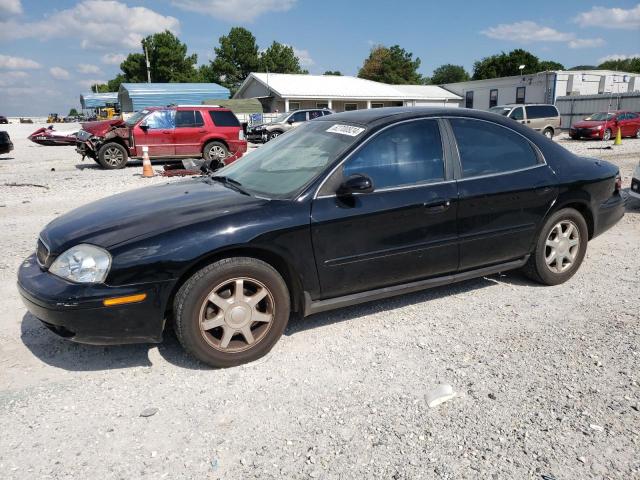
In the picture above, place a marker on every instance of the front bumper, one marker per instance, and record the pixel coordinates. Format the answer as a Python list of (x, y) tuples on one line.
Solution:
[(609, 213), (257, 136), (585, 133), (76, 311)]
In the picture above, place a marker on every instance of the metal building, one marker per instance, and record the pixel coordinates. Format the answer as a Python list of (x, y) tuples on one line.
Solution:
[(136, 96), (98, 100)]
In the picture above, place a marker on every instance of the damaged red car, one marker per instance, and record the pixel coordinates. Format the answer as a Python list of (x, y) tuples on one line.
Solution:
[(213, 133)]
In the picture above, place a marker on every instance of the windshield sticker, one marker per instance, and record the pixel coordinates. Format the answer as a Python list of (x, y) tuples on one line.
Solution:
[(346, 130)]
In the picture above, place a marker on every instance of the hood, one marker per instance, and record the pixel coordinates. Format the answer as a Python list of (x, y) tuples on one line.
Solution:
[(100, 128), (144, 212)]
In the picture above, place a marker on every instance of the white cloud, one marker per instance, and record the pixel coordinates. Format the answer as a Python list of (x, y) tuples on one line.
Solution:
[(59, 73), (10, 7), (113, 58), (304, 56), (87, 68), (526, 32), (628, 19), (586, 43), (96, 24), (618, 56), (13, 78), (17, 63), (88, 83), (235, 10)]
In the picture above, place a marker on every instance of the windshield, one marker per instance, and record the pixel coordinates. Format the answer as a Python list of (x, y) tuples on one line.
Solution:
[(600, 116), (136, 117), (283, 166), (281, 118), (500, 110)]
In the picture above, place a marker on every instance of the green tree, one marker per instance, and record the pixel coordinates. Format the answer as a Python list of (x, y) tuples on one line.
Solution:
[(236, 57), (506, 65), (73, 113), (335, 73), (631, 65), (279, 58), (449, 73), (391, 65), (134, 68)]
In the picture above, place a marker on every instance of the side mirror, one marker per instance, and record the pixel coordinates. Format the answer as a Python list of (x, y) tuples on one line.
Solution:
[(290, 121), (356, 183), (144, 127)]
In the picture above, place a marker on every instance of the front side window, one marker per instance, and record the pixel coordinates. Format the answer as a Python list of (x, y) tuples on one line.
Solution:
[(298, 117), (517, 114), (486, 148), (520, 94), (161, 119), (468, 100), (405, 154), (493, 97)]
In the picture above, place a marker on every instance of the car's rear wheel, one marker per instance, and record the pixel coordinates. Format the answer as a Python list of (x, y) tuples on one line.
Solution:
[(548, 132), (215, 152), (607, 134), (112, 156), (560, 248), (232, 311)]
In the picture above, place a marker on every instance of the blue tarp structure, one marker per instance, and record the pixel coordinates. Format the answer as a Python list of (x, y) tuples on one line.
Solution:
[(98, 100), (136, 96)]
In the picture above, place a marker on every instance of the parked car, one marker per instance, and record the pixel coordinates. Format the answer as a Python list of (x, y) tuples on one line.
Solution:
[(50, 137), (6, 145), (4, 120), (604, 125), (540, 117), (635, 183), (264, 132), (170, 132), (347, 208)]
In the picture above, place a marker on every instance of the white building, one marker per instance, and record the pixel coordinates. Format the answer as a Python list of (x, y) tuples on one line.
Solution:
[(543, 87), (286, 92)]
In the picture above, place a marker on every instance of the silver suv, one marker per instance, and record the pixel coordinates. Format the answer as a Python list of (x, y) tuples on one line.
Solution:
[(264, 132), (541, 117)]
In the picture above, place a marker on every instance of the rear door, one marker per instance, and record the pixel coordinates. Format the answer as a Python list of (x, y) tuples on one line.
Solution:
[(404, 230), (156, 132), (629, 123), (505, 188), (188, 132)]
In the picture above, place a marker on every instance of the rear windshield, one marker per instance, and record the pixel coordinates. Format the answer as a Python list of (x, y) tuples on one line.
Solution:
[(600, 116), (222, 118)]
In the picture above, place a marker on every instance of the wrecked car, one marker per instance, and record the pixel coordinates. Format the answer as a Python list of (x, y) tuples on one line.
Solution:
[(200, 131)]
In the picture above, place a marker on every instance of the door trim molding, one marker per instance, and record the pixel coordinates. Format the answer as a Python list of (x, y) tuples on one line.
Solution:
[(317, 306)]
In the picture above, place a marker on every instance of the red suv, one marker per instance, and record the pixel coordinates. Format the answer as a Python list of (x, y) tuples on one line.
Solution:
[(169, 132)]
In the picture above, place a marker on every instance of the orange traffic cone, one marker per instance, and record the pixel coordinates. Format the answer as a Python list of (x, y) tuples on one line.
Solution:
[(147, 171), (618, 138)]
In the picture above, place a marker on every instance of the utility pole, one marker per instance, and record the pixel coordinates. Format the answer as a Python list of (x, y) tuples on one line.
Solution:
[(146, 56)]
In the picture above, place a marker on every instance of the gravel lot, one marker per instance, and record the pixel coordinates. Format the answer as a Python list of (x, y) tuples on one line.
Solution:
[(546, 378)]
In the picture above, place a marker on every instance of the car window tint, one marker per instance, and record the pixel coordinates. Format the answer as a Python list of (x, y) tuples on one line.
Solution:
[(541, 111), (185, 118), (315, 114), (486, 148), (517, 114), (406, 154), (298, 117), (222, 118), (632, 116), (162, 119)]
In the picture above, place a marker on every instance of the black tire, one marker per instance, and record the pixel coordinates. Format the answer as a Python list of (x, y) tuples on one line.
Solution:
[(548, 132), (607, 134), (215, 152), (537, 268), (192, 301), (638, 134), (574, 137), (112, 156), (274, 134)]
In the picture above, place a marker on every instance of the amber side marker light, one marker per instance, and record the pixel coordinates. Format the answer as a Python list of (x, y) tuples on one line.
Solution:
[(110, 302)]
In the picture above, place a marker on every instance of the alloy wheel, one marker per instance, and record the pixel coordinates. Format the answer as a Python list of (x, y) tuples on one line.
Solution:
[(217, 151), (607, 135), (236, 315), (562, 246), (113, 156)]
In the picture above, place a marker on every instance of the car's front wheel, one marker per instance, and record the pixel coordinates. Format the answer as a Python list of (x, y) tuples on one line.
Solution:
[(275, 134), (112, 156), (232, 311), (560, 248), (607, 134)]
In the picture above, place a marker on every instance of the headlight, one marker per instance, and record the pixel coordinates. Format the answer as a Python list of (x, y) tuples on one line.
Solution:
[(599, 127), (82, 264)]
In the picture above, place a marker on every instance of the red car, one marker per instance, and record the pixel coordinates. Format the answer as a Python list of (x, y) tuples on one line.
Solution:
[(604, 125), (169, 132)]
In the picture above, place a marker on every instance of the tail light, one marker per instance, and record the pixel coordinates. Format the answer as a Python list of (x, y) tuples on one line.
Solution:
[(241, 135), (618, 185)]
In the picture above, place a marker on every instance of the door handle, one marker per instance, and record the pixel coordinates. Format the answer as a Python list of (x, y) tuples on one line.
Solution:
[(166, 133), (437, 206)]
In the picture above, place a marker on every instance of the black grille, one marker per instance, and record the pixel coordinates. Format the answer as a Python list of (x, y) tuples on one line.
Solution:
[(42, 254)]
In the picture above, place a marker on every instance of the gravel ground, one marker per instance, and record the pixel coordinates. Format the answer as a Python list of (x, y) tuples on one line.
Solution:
[(546, 377)]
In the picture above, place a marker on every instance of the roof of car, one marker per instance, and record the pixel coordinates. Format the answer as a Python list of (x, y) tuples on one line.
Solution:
[(510, 105)]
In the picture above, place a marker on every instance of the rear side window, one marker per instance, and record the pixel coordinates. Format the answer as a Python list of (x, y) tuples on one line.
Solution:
[(541, 111), (315, 114), (486, 148), (222, 118), (188, 118), (407, 154)]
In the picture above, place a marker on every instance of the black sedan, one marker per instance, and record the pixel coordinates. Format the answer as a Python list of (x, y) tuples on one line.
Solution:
[(348, 208)]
